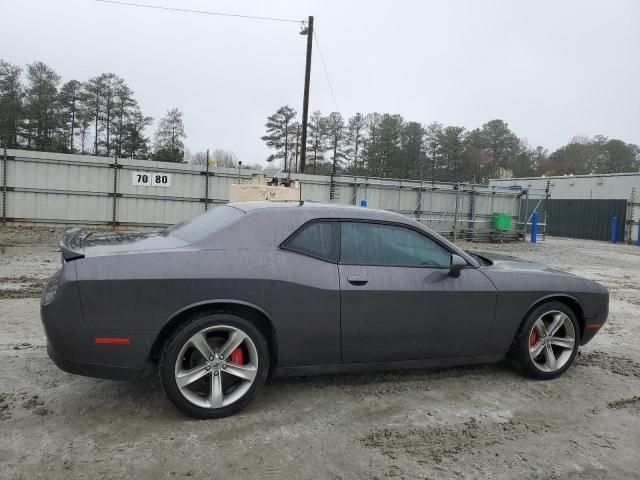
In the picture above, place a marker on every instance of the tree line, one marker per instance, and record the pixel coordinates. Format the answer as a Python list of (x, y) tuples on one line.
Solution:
[(99, 116), (387, 145)]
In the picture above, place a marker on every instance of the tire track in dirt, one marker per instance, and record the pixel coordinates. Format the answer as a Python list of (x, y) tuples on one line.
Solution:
[(438, 443), (607, 361), (21, 287)]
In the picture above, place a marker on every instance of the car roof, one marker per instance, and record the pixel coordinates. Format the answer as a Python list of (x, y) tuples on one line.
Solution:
[(320, 209), (288, 215)]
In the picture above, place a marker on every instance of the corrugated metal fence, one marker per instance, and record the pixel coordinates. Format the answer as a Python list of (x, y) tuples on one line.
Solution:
[(43, 187), (590, 219)]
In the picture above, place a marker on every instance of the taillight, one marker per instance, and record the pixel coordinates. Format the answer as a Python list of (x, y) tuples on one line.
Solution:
[(51, 288)]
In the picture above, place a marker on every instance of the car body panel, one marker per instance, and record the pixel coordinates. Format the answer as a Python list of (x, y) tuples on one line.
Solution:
[(522, 285), (414, 313), (135, 286), (289, 288)]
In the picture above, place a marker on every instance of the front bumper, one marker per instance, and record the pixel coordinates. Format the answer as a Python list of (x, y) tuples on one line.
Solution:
[(593, 325)]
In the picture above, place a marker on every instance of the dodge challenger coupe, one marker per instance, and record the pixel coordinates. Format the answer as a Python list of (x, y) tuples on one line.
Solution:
[(221, 301)]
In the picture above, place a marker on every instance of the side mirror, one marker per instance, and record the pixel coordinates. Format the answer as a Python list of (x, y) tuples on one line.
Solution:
[(457, 264)]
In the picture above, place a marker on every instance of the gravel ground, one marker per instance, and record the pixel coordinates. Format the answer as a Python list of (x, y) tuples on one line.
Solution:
[(481, 422)]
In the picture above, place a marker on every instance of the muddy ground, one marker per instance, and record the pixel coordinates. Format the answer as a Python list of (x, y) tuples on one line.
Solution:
[(480, 422)]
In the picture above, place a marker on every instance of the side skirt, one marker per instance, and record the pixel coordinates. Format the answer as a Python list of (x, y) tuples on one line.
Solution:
[(383, 366)]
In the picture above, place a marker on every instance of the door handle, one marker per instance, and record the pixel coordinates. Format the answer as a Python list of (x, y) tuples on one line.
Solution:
[(357, 280)]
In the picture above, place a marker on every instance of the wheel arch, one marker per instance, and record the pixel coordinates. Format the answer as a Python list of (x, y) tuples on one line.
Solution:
[(570, 301), (250, 312)]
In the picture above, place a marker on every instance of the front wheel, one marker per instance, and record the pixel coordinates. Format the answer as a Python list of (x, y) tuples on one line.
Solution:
[(548, 342), (213, 366)]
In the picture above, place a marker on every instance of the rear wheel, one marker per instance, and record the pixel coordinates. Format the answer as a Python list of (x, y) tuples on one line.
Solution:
[(213, 366), (548, 342)]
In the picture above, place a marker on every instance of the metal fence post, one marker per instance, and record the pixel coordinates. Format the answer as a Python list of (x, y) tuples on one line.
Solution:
[(526, 212), (534, 227), (206, 184), (472, 214), (547, 196), (455, 214), (114, 216), (4, 186), (614, 229), (354, 199)]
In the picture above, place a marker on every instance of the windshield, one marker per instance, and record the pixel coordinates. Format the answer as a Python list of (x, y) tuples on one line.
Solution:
[(198, 227)]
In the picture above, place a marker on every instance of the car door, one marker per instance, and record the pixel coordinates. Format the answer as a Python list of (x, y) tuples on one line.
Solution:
[(399, 302)]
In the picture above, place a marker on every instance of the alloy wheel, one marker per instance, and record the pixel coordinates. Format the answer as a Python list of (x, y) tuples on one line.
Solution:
[(216, 367), (552, 340)]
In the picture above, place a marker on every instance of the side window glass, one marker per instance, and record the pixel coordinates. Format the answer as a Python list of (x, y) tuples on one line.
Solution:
[(389, 245), (317, 239)]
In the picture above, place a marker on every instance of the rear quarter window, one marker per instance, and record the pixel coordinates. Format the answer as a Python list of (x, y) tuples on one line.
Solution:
[(317, 239)]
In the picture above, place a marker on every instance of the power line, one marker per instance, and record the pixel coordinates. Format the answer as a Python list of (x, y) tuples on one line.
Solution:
[(326, 74), (202, 12)]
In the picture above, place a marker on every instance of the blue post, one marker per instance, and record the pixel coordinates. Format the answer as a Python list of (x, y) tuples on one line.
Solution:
[(363, 203), (534, 227), (614, 229), (638, 239)]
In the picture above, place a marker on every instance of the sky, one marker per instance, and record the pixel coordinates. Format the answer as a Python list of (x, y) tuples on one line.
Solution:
[(551, 69)]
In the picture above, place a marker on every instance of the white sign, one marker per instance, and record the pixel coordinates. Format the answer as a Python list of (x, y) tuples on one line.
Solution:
[(151, 179)]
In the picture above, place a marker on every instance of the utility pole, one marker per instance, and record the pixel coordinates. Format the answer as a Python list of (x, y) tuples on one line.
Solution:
[(295, 169), (305, 101)]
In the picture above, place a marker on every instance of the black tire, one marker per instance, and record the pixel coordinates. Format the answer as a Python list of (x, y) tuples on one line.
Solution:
[(177, 341), (520, 354)]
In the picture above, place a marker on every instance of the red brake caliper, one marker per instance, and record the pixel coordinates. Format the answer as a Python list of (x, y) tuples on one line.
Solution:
[(237, 356), (533, 337)]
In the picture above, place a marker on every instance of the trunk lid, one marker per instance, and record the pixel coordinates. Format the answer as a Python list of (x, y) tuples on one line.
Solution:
[(80, 243)]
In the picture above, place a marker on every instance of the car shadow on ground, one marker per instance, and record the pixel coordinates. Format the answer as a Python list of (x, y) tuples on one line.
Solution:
[(405, 375), (145, 398)]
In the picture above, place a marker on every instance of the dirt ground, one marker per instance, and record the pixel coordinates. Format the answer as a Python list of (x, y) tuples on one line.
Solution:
[(481, 422)]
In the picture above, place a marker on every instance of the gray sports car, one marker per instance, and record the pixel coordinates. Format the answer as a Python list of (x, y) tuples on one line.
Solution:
[(247, 290)]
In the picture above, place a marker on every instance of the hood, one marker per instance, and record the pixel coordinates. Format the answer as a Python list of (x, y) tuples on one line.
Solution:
[(501, 261), (78, 243), (512, 273)]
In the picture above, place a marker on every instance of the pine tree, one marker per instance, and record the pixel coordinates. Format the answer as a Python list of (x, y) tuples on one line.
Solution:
[(316, 139), (432, 150), (389, 131), (336, 135), (10, 104), (40, 110), (134, 143), (93, 91), (412, 146), (69, 100), (278, 137), (112, 84), (371, 142), (355, 136), (125, 106), (168, 144)]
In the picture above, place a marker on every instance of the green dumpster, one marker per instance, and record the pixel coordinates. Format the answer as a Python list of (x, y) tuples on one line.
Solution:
[(501, 221)]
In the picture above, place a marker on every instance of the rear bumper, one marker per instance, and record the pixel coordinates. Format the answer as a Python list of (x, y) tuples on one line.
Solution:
[(92, 369)]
